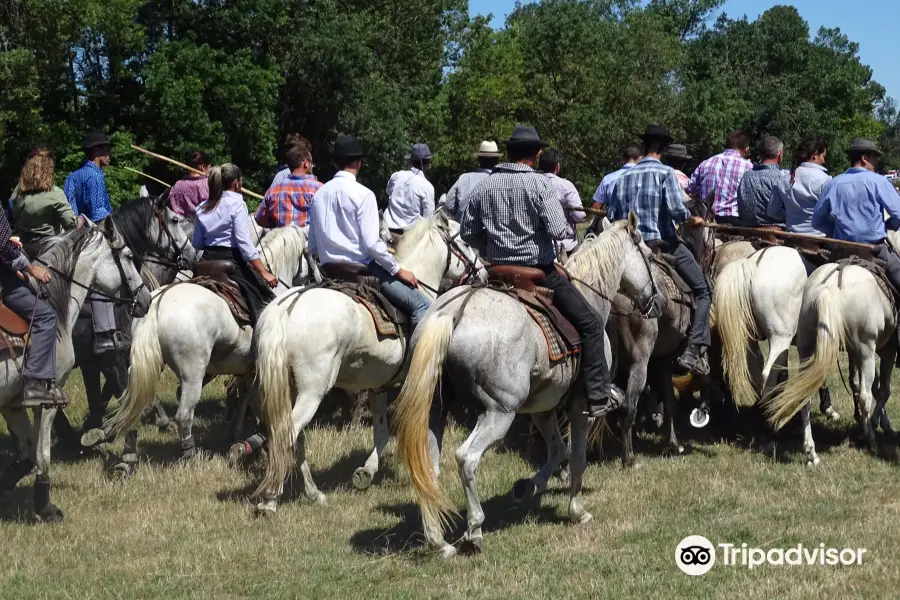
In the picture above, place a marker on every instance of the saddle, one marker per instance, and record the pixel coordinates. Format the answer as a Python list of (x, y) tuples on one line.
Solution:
[(563, 340), (677, 289), (357, 282), (13, 332), (876, 268), (214, 276)]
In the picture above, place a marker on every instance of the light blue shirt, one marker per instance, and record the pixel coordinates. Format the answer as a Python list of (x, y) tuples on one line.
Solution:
[(794, 202), (604, 191), (852, 207), (227, 226)]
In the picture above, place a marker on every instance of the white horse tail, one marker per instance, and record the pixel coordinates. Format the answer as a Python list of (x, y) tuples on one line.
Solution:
[(274, 375), (736, 326), (143, 375), (411, 417), (830, 336)]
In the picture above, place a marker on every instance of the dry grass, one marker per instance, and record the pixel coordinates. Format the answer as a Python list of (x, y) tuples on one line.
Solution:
[(186, 530)]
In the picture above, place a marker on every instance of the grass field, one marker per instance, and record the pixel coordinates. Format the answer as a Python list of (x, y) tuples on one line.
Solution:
[(187, 530)]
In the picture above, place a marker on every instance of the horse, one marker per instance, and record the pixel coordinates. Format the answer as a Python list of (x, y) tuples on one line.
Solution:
[(89, 259), (311, 342), (483, 345), (843, 307), (160, 242), (192, 331)]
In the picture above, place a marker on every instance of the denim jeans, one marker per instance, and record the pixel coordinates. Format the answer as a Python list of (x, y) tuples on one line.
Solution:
[(408, 300)]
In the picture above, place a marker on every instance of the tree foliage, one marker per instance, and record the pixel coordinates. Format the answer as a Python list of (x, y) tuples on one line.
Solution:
[(234, 77)]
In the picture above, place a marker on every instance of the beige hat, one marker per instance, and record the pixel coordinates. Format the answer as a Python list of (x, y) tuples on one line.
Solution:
[(488, 149)]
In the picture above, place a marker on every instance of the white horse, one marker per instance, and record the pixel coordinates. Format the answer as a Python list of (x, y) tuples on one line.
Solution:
[(192, 331), (90, 259), (311, 342), (492, 353), (840, 310)]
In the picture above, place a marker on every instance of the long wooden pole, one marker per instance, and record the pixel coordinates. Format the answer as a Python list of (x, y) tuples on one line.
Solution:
[(791, 236), (191, 169), (587, 209), (159, 181)]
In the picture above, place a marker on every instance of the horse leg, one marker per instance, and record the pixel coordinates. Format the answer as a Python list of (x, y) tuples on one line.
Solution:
[(188, 399), (363, 476), (866, 401), (774, 372), (90, 374), (809, 446), (309, 486), (125, 467), (19, 426), (491, 429), (637, 380), (578, 459), (548, 426), (44, 510), (673, 448), (825, 405), (888, 357)]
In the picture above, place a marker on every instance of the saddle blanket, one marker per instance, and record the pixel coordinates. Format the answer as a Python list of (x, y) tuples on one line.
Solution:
[(563, 340), (389, 321), (557, 348), (231, 293)]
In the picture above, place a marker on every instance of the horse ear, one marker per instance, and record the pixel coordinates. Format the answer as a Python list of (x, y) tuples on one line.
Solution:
[(442, 220), (632, 220), (109, 229), (605, 224)]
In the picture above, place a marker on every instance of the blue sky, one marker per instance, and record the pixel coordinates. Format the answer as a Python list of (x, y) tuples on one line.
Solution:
[(872, 24)]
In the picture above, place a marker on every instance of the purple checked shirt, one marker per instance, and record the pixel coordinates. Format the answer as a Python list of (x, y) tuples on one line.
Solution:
[(187, 194), (720, 174), (568, 198)]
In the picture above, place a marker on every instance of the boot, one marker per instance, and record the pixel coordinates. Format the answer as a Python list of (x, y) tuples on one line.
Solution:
[(37, 393), (108, 341), (693, 360), (612, 399)]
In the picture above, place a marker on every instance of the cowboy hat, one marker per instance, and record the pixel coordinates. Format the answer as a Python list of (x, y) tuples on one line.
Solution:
[(348, 147), (526, 135), (420, 152), (678, 151), (95, 139), (488, 149), (864, 145), (657, 133)]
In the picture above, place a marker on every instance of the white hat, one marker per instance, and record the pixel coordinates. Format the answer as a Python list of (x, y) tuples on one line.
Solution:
[(488, 149)]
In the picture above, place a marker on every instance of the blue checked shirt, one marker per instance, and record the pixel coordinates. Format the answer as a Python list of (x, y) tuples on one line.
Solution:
[(86, 191), (652, 191), (514, 217)]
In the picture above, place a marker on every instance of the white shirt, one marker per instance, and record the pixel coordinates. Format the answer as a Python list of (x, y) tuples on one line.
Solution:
[(411, 197), (343, 224)]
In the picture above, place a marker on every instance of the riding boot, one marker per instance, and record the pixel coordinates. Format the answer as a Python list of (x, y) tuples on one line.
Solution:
[(108, 341), (37, 393)]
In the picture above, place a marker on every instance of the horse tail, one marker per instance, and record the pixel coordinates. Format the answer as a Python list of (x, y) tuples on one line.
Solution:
[(411, 417), (143, 375), (830, 337), (736, 326), (273, 371)]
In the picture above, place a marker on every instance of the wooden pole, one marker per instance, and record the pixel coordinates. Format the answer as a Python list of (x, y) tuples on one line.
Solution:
[(191, 169), (789, 235), (159, 181), (588, 209)]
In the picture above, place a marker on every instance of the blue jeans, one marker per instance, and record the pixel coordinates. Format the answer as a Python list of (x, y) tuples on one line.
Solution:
[(408, 300)]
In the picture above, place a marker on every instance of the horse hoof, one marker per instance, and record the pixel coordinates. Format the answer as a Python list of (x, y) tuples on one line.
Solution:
[(237, 453), (447, 551), (266, 509), (699, 418), (319, 498), (523, 490), (673, 450), (628, 463), (362, 479), (813, 463), (657, 419), (93, 437), (50, 514), (471, 546), (563, 476), (121, 471), (163, 424), (583, 519), (833, 415)]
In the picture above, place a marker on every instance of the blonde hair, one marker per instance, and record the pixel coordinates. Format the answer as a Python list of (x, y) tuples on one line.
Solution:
[(37, 174), (220, 179)]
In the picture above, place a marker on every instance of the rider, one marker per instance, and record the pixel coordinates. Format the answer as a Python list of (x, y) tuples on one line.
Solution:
[(39, 207), (39, 370), (289, 201), (191, 190), (222, 231), (514, 218), (411, 195), (758, 185), (720, 175), (651, 190), (458, 196), (86, 191), (343, 228), (852, 206), (568, 197)]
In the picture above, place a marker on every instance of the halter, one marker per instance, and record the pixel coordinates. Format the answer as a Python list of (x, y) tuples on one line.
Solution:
[(453, 249), (178, 259)]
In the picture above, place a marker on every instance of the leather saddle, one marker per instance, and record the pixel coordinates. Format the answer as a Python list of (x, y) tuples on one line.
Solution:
[(215, 275), (677, 289), (356, 280), (217, 270), (350, 272), (13, 331)]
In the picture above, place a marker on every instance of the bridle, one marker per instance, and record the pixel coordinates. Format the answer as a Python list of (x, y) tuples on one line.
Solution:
[(453, 249), (178, 259)]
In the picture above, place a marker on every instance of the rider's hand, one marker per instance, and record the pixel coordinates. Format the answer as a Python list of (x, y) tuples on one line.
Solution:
[(695, 222), (270, 279), (40, 273), (16, 241), (408, 278)]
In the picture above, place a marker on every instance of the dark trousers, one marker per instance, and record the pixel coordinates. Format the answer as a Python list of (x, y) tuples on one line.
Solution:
[(255, 291), (576, 309), (40, 359), (728, 220), (689, 270), (892, 264)]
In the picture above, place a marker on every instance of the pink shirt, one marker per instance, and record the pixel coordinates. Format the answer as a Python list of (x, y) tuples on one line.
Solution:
[(187, 194)]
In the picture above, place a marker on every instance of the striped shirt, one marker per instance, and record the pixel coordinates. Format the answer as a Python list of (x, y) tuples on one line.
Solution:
[(720, 174), (652, 191), (608, 184), (10, 254), (288, 202), (514, 217), (86, 192)]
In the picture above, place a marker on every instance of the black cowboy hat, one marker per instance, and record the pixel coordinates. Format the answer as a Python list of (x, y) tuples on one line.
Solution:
[(526, 135), (656, 133), (95, 139), (348, 146), (864, 145)]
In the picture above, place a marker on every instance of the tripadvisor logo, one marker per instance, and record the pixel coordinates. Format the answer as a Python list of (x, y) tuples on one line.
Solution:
[(696, 555)]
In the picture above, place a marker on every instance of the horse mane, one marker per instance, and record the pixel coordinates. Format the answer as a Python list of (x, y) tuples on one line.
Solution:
[(62, 254), (132, 221), (599, 256), (413, 237), (282, 247)]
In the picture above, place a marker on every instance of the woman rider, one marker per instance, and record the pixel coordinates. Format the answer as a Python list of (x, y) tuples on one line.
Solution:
[(222, 231), (40, 209)]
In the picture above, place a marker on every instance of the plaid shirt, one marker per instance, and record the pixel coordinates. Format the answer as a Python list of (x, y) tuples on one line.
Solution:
[(10, 254), (288, 202), (754, 193), (86, 191), (720, 174), (652, 191), (513, 217)]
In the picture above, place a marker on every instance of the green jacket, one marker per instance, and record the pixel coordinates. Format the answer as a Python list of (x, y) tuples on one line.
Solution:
[(42, 213)]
